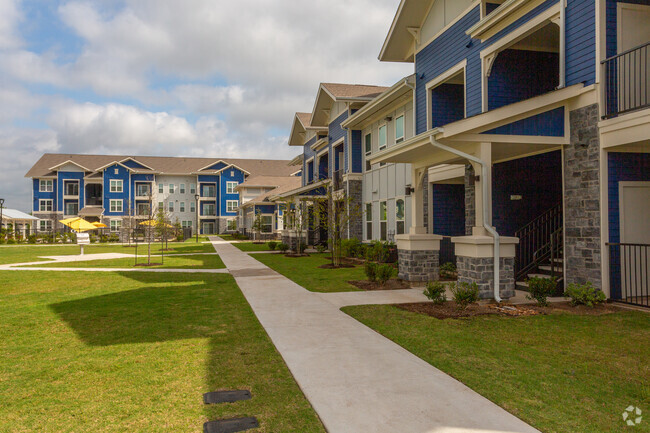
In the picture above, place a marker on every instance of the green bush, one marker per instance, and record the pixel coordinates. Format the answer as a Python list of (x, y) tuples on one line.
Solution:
[(384, 273), (283, 247), (584, 294), (448, 270), (272, 245), (301, 249), (351, 247), (11, 241), (378, 252), (321, 248), (113, 237), (2, 240), (464, 294), (436, 291), (370, 269), (541, 288), (31, 239)]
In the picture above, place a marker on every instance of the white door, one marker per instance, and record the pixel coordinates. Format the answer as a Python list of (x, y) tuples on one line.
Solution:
[(634, 202), (633, 69)]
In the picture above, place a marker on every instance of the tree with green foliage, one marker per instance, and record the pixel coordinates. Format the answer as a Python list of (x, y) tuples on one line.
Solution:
[(337, 216)]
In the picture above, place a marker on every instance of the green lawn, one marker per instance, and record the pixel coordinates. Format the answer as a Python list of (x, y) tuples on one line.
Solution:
[(204, 261), (134, 352), (560, 373), (31, 253), (306, 272), (250, 246)]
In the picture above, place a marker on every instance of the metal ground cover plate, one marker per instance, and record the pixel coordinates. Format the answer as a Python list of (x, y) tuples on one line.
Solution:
[(226, 396), (230, 425)]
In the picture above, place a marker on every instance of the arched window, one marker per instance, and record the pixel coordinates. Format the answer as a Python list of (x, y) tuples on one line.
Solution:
[(399, 217)]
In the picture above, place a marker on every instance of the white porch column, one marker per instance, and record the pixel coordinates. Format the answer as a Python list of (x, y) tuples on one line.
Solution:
[(417, 202), (484, 152)]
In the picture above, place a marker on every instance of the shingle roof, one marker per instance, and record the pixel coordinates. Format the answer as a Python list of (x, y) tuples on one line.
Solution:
[(281, 184), (161, 164), (353, 90), (13, 214), (305, 119)]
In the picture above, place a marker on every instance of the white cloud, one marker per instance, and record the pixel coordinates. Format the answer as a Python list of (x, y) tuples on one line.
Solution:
[(9, 17)]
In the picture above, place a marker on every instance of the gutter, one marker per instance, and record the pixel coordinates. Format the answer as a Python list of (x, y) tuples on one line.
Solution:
[(486, 225)]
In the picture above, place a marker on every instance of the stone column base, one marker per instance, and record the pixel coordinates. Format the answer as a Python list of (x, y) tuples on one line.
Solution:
[(418, 257), (290, 237), (475, 264)]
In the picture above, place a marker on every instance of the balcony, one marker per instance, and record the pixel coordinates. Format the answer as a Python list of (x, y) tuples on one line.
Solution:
[(627, 81)]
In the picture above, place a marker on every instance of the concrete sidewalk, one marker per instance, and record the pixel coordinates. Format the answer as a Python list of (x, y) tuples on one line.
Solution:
[(357, 380)]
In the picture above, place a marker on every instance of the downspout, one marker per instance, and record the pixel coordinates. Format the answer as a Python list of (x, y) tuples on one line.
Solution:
[(486, 225), (562, 82), (412, 87)]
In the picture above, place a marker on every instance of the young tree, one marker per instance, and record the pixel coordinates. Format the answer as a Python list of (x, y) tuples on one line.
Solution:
[(163, 226), (257, 224), (298, 220), (128, 223)]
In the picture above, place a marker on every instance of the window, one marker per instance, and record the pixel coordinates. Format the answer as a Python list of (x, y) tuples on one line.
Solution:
[(171, 188), (192, 206), (143, 209), (71, 188), (368, 143), (46, 185), (116, 205), (117, 185), (230, 187), (116, 171), (116, 225), (399, 217), (231, 205), (209, 191), (161, 205), (369, 221), (232, 225), (45, 225), (192, 188), (182, 188), (399, 129), (171, 206), (186, 224), (142, 190), (182, 206), (208, 209), (45, 205), (161, 188), (382, 219), (72, 208), (382, 137), (267, 223)]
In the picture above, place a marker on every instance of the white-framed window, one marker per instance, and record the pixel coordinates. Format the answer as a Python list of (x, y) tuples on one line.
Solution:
[(116, 171), (232, 205), (383, 214), (399, 129), (209, 191), (208, 209), (46, 185), (171, 206), (142, 189), (181, 188), (232, 225), (117, 185), (181, 207), (368, 221), (161, 188), (71, 187), (116, 205), (230, 187), (116, 225), (143, 209), (171, 188), (192, 206), (45, 205), (186, 224), (192, 188), (368, 149), (399, 216), (161, 205), (267, 223), (382, 137), (72, 208), (45, 225)]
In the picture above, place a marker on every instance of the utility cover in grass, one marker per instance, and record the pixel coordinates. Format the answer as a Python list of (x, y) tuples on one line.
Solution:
[(230, 425), (216, 397)]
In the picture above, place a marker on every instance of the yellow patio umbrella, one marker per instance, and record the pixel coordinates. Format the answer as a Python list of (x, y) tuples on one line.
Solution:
[(154, 223), (78, 224), (99, 225)]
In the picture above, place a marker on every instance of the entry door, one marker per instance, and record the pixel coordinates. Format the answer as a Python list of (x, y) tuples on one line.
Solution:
[(633, 69), (634, 202)]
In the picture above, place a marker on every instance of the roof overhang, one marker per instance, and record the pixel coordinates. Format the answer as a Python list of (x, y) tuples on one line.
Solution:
[(104, 167), (211, 164), (398, 94), (69, 161), (297, 160), (324, 102), (298, 191), (504, 15), (320, 144), (399, 45), (299, 129), (231, 166), (137, 162)]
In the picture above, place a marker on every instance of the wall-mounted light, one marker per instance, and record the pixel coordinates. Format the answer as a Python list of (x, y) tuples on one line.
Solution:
[(421, 76), (388, 119), (408, 189)]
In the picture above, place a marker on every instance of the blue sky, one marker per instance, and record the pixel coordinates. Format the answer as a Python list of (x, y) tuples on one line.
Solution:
[(173, 77)]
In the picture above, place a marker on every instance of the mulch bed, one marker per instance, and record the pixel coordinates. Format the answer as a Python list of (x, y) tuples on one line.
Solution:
[(331, 266), (449, 310), (296, 255), (346, 262), (393, 284)]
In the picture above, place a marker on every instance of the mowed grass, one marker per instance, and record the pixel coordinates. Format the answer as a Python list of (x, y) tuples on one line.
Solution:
[(31, 253), (306, 272), (199, 261), (560, 373), (133, 352), (250, 246)]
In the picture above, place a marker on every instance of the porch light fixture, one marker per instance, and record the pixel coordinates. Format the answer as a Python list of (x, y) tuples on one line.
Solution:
[(473, 179), (408, 189), (388, 119)]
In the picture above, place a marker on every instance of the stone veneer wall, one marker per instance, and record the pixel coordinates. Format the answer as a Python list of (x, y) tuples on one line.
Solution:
[(470, 201), (419, 266), (582, 222), (426, 193), (354, 189), (292, 240), (480, 270)]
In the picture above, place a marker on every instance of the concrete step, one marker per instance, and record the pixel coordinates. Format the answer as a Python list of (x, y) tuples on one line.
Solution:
[(559, 260), (547, 268), (539, 276)]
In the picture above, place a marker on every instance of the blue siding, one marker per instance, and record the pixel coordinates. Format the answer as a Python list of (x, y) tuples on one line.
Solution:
[(308, 153), (447, 104), (580, 42), (335, 134), (44, 195), (337, 151), (356, 151), (265, 208), (217, 166), (69, 175), (213, 181), (621, 167), (550, 124), (124, 175), (139, 178), (448, 209), (133, 164), (231, 174), (538, 179)]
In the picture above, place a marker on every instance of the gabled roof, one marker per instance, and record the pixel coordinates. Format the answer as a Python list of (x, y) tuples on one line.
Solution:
[(281, 184), (231, 166), (301, 124), (399, 45), (329, 93), (69, 161), (130, 158)]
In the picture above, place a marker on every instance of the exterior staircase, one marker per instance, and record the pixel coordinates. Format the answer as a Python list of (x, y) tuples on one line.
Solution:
[(546, 270)]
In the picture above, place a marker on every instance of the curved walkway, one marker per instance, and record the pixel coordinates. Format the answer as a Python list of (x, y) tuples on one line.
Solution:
[(357, 380)]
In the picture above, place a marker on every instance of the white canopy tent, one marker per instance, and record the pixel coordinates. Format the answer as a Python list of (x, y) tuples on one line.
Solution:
[(17, 219)]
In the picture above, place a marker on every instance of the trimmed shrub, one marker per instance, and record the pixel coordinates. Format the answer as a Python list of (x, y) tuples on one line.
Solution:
[(283, 247), (584, 294), (321, 248), (384, 273), (351, 247), (448, 270), (370, 269), (464, 294), (436, 291), (539, 289), (31, 239), (11, 241), (272, 245)]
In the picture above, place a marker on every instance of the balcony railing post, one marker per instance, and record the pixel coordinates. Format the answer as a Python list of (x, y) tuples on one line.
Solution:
[(627, 81)]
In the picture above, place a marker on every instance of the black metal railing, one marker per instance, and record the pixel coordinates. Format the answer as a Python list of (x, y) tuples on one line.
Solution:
[(337, 180), (535, 241), (629, 273), (627, 81), (447, 251)]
